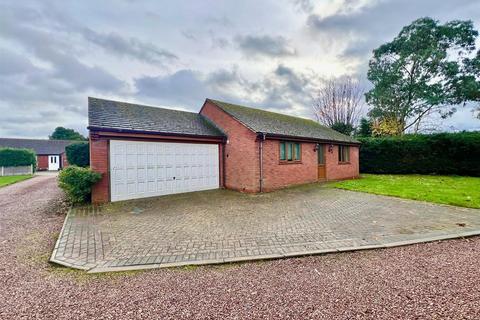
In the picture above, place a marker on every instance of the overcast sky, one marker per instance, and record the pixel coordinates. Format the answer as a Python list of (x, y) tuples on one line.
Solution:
[(271, 54)]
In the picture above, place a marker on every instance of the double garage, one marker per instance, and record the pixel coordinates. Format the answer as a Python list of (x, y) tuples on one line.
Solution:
[(140, 169), (144, 151)]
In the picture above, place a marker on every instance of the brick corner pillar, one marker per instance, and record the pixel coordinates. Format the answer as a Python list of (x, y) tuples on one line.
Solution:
[(99, 163)]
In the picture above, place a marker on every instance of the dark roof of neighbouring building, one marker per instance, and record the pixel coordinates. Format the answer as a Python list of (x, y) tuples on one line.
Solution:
[(267, 122), (41, 147), (122, 116)]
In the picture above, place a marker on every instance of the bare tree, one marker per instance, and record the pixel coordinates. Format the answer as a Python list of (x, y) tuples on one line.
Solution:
[(430, 122), (339, 103)]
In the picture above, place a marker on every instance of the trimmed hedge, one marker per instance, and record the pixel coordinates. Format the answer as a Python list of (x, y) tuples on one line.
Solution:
[(10, 157), (443, 153), (77, 183), (78, 154)]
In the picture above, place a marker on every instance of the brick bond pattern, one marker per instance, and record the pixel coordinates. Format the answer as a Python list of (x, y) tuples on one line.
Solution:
[(242, 158), (222, 226)]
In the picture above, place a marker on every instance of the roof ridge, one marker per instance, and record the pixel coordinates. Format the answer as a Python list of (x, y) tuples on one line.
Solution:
[(260, 120), (138, 105), (119, 115), (267, 111)]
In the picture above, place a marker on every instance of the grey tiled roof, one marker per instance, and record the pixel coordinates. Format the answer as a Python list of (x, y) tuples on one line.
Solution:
[(262, 121), (108, 114), (41, 147)]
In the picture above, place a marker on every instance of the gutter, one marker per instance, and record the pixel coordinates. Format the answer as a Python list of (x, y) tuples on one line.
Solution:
[(306, 139), (261, 137), (156, 133)]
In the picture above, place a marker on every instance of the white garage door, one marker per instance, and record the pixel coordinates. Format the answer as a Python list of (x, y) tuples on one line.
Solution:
[(147, 169)]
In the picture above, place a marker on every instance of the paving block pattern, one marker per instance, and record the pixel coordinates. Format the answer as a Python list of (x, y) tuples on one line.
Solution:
[(224, 226)]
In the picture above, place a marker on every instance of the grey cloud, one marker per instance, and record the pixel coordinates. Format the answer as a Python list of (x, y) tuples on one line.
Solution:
[(220, 42), (280, 89), (222, 21), (60, 53), (37, 126), (42, 77), (364, 29), (224, 78), (48, 17), (189, 88), (270, 46), (304, 5), (183, 87), (13, 64), (288, 87), (22, 83), (294, 82), (84, 77), (128, 47), (188, 34)]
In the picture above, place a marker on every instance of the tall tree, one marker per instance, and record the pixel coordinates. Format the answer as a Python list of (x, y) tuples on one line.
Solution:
[(61, 133), (428, 67), (338, 104), (364, 128)]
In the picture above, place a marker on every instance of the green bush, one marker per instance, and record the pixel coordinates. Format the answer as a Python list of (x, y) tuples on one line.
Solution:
[(10, 157), (78, 154), (77, 182), (443, 153)]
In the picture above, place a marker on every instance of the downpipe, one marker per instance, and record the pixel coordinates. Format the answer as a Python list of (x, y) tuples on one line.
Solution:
[(261, 138)]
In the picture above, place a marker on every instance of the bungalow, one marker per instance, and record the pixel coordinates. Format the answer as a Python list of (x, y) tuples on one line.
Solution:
[(50, 153), (145, 151)]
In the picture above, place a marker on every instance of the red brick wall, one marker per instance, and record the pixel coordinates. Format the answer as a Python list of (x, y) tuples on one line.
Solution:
[(241, 151), (99, 163), (64, 160), (242, 159), (337, 171), (42, 162), (277, 175)]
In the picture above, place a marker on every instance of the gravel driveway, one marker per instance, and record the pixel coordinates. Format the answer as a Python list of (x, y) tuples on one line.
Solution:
[(437, 280)]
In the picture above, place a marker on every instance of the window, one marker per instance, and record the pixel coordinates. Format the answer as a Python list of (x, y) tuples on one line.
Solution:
[(343, 154), (282, 151), (321, 154), (290, 151)]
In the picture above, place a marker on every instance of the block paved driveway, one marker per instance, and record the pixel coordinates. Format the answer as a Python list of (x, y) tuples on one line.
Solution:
[(224, 226)]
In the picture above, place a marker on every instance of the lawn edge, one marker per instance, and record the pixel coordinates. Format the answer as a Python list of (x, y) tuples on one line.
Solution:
[(405, 198), (10, 183)]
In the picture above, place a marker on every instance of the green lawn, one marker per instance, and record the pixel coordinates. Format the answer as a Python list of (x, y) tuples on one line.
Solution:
[(5, 181), (453, 190)]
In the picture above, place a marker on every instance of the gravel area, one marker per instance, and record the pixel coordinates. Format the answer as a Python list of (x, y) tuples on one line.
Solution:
[(426, 281)]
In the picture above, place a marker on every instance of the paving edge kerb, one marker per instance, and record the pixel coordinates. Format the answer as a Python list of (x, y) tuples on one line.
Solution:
[(57, 244), (251, 258), (280, 256)]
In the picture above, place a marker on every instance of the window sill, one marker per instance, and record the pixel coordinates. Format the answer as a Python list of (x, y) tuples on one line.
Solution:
[(344, 163), (290, 162)]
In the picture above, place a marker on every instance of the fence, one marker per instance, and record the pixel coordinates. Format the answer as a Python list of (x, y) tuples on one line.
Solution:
[(16, 171)]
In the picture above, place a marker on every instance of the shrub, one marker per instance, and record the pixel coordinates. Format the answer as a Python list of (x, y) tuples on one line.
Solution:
[(443, 153), (344, 128), (10, 157), (77, 182), (78, 154)]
